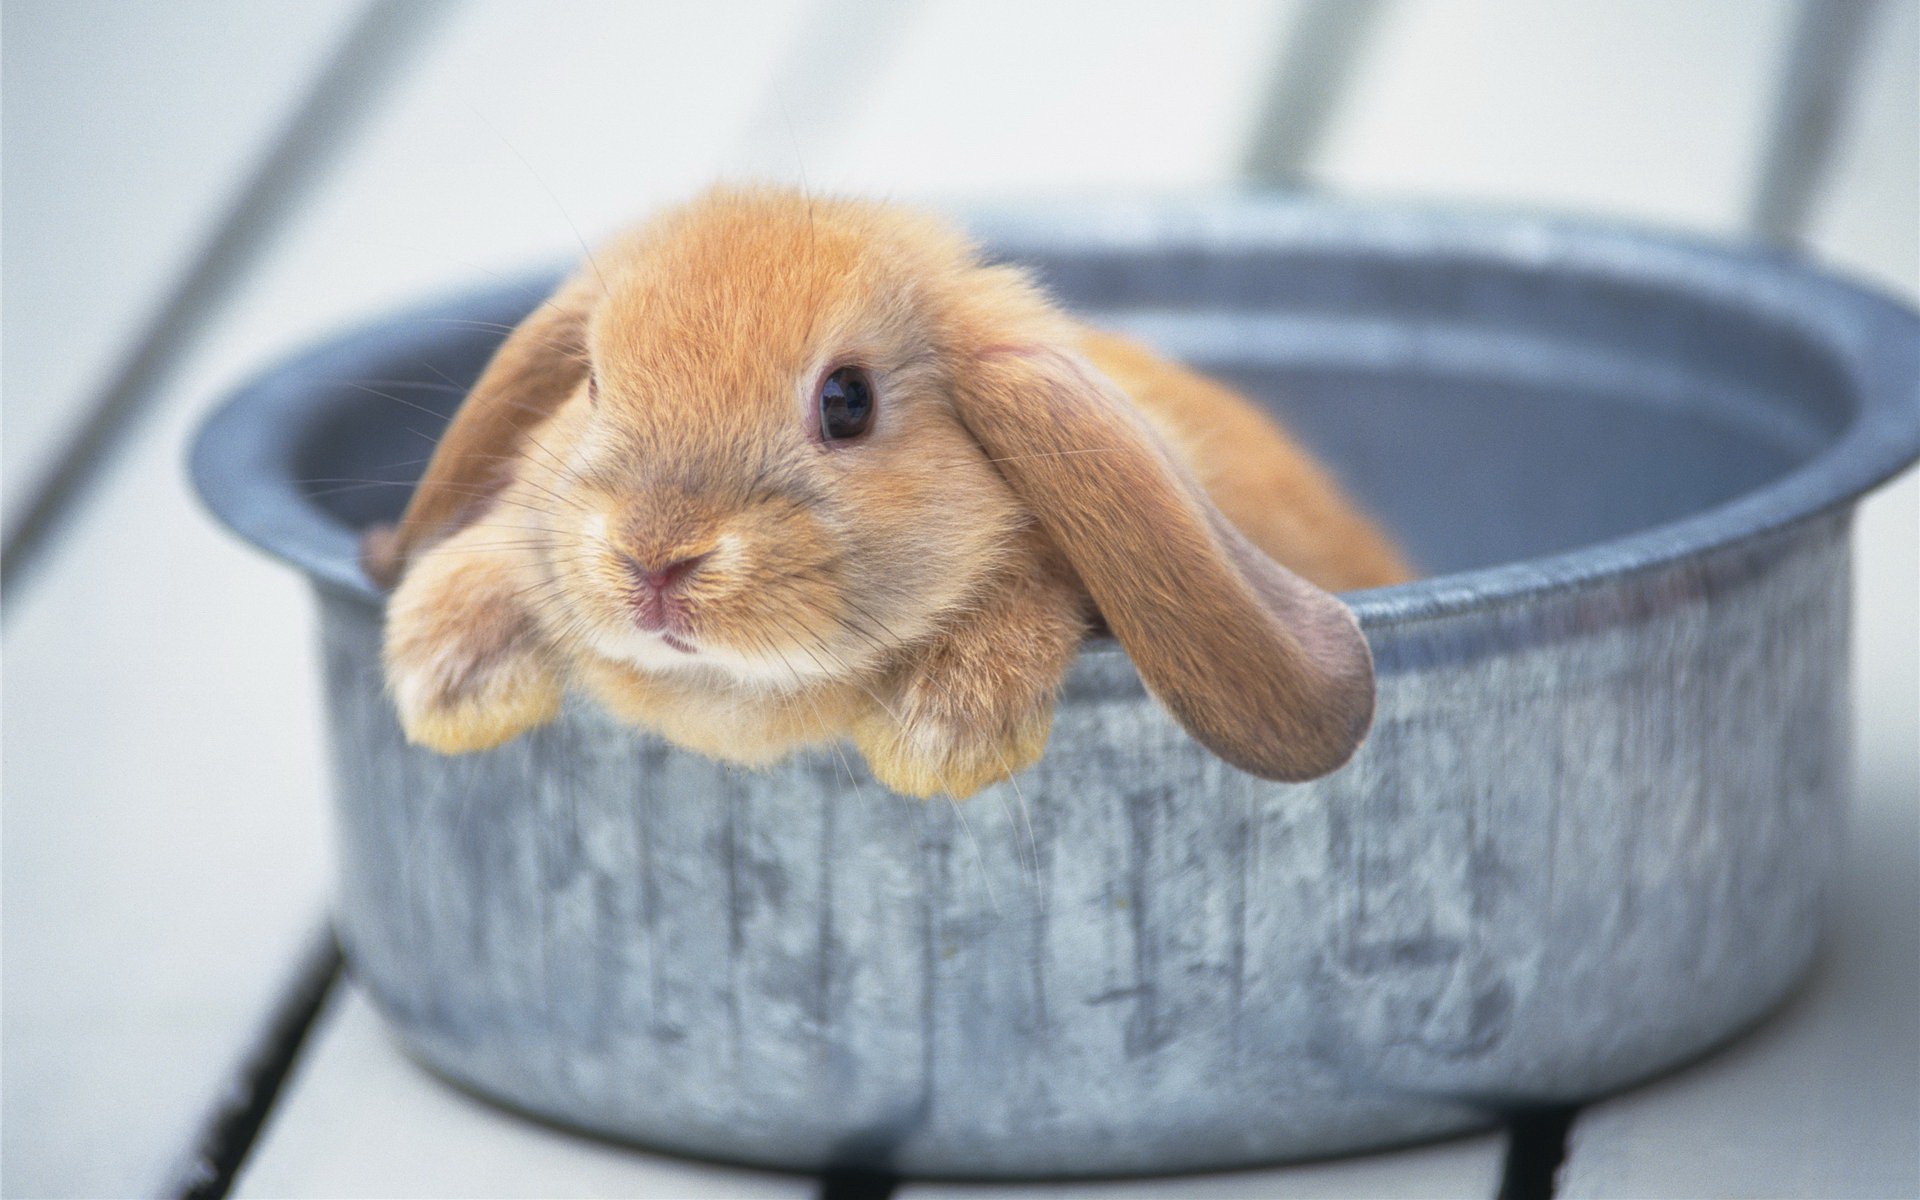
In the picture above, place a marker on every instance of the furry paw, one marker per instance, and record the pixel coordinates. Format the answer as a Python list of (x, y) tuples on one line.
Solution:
[(465, 675), (934, 743)]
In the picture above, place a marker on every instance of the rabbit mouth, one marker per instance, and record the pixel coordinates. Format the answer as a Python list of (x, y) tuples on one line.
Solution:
[(664, 616), (664, 619), (679, 651)]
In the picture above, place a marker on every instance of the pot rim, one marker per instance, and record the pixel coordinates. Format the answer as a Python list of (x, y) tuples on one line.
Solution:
[(243, 454)]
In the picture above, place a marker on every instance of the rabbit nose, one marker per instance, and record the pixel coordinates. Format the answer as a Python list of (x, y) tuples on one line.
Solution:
[(663, 576)]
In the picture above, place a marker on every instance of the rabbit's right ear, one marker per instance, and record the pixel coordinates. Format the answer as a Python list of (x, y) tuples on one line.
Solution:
[(539, 365), (1263, 668)]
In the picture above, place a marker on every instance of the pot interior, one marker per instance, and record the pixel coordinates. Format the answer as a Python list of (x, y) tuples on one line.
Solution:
[(1485, 415)]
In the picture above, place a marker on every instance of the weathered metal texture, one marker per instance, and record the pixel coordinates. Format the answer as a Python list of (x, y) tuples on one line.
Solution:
[(1590, 835)]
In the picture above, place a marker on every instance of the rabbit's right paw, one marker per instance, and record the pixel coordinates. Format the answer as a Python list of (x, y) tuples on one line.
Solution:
[(465, 674)]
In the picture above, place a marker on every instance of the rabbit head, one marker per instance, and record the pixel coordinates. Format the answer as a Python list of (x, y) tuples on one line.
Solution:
[(773, 443)]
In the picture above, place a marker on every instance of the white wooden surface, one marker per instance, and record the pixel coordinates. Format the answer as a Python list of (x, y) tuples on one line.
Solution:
[(128, 129), (1644, 109), (992, 97), (164, 848), (165, 842), (361, 1120)]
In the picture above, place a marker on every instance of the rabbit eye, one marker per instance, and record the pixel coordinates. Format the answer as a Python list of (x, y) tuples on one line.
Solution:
[(846, 404)]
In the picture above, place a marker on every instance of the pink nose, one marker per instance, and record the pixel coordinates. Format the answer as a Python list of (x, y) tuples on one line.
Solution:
[(661, 578)]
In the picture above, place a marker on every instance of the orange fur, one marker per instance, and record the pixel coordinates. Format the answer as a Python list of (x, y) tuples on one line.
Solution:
[(1271, 489), (918, 592)]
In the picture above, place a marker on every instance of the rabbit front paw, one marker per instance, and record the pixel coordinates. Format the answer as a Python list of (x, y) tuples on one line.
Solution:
[(464, 674), (931, 743)]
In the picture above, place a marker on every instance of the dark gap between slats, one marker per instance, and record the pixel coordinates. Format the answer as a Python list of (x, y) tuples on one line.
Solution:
[(851, 1183), (1306, 83), (1536, 1147), (1817, 80), (235, 1124)]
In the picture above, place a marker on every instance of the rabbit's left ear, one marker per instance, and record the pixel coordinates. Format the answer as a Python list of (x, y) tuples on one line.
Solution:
[(1260, 666), (536, 368)]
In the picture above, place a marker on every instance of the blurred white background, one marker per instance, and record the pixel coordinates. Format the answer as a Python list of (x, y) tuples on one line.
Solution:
[(191, 187)]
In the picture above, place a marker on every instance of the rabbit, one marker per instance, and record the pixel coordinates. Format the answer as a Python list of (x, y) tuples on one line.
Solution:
[(773, 471)]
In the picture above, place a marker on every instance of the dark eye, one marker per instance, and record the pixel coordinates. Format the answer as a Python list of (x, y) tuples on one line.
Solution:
[(846, 404), (593, 387)]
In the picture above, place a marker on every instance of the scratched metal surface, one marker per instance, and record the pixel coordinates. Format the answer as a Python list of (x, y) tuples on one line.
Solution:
[(1590, 837)]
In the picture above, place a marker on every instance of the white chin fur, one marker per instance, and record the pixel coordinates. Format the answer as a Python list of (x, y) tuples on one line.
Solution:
[(650, 653)]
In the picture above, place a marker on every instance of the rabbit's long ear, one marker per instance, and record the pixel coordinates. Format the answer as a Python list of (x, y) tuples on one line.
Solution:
[(1260, 666), (538, 366)]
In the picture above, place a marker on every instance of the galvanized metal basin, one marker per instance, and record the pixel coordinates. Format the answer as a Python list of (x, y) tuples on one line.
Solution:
[(1591, 835)]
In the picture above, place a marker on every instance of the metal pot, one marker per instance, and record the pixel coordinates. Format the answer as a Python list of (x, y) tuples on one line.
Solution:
[(1590, 837)]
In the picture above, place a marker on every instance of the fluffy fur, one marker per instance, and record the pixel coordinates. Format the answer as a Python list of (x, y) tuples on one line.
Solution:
[(918, 591)]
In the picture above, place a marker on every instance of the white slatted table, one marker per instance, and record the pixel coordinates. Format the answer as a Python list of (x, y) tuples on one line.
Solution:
[(165, 848)]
